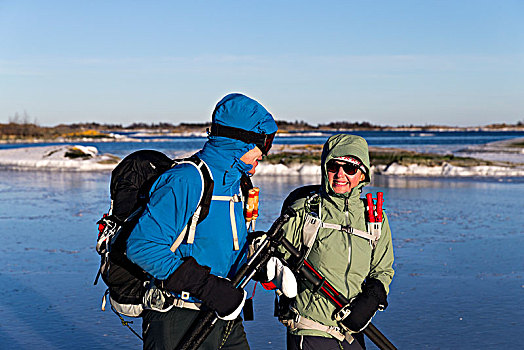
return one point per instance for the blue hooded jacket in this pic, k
(175, 195)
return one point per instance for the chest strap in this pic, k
(232, 200)
(190, 228)
(372, 237)
(312, 224)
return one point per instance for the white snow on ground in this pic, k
(54, 158)
(396, 169)
(294, 170)
(450, 170)
(88, 159)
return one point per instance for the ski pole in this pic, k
(307, 271)
(206, 320)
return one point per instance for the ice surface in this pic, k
(458, 263)
(501, 151)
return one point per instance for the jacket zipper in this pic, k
(346, 213)
(346, 210)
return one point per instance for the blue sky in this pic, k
(387, 62)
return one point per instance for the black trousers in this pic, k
(163, 330)
(307, 342)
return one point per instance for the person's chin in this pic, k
(341, 189)
(253, 170)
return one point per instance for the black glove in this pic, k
(216, 293)
(364, 306)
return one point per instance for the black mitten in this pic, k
(364, 306)
(216, 293)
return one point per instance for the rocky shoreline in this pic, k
(497, 159)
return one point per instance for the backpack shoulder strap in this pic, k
(204, 202)
(298, 193)
(208, 184)
(312, 222)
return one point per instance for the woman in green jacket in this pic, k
(357, 264)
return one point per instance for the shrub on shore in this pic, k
(310, 154)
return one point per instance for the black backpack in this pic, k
(131, 182)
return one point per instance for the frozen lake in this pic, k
(458, 248)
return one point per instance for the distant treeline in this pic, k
(23, 129)
(282, 125)
(29, 129)
(26, 130)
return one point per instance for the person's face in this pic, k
(252, 157)
(340, 181)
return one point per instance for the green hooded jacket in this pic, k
(345, 260)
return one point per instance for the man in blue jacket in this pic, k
(196, 271)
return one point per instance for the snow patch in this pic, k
(450, 170)
(87, 158)
(62, 157)
(283, 170)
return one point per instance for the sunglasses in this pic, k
(266, 145)
(262, 141)
(350, 169)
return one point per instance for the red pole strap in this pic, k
(331, 297)
(332, 292)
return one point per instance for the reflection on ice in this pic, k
(441, 182)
